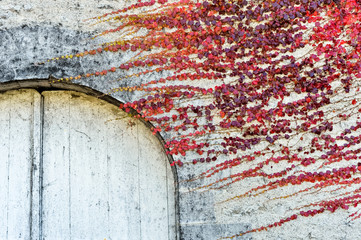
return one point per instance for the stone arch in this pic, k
(44, 87)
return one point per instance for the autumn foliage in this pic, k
(271, 85)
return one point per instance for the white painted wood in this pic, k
(56, 208)
(103, 177)
(88, 174)
(153, 187)
(36, 130)
(172, 217)
(122, 156)
(19, 123)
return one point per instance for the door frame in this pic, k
(52, 84)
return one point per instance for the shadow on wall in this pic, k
(22, 47)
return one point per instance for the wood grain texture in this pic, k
(105, 175)
(56, 207)
(19, 156)
(75, 167)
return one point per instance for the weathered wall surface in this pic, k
(31, 32)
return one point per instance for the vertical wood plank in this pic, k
(36, 131)
(18, 120)
(153, 187)
(100, 171)
(5, 101)
(172, 228)
(122, 145)
(107, 175)
(56, 223)
(89, 206)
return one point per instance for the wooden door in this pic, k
(101, 175)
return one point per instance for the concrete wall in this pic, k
(34, 31)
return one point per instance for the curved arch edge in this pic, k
(52, 84)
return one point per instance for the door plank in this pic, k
(101, 174)
(153, 187)
(19, 158)
(123, 165)
(56, 209)
(88, 170)
(172, 217)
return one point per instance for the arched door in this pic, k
(75, 167)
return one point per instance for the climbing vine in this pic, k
(261, 89)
